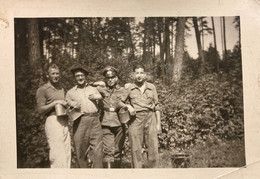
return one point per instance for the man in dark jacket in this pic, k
(113, 129)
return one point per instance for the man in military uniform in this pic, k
(113, 130)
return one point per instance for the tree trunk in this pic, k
(214, 33)
(144, 39)
(197, 32)
(81, 40)
(222, 43)
(224, 38)
(161, 44)
(21, 50)
(171, 38)
(132, 46)
(167, 48)
(33, 41)
(179, 49)
(202, 39)
(215, 43)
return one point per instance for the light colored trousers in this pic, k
(143, 130)
(58, 137)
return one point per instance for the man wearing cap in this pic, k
(87, 132)
(145, 125)
(113, 130)
(56, 127)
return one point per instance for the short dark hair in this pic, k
(52, 65)
(139, 65)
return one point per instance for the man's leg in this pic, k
(108, 145)
(119, 133)
(58, 137)
(81, 142)
(96, 144)
(135, 131)
(151, 140)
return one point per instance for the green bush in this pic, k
(193, 111)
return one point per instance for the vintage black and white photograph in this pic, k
(129, 92)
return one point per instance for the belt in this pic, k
(110, 109)
(91, 114)
(146, 111)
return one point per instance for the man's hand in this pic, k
(159, 128)
(131, 110)
(127, 85)
(62, 102)
(75, 104)
(99, 83)
(158, 121)
(94, 97)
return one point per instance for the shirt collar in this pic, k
(116, 87)
(49, 85)
(147, 86)
(76, 87)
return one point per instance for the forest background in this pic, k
(202, 98)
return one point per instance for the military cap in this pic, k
(78, 67)
(110, 71)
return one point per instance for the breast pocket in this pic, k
(149, 96)
(134, 96)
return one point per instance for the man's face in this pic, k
(111, 81)
(54, 75)
(140, 75)
(80, 78)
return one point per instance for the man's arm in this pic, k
(157, 110)
(71, 102)
(95, 96)
(42, 107)
(124, 98)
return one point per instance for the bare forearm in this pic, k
(46, 108)
(158, 119)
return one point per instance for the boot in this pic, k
(108, 164)
(117, 163)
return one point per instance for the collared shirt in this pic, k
(111, 99)
(81, 96)
(47, 93)
(148, 100)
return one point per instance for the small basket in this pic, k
(180, 160)
(124, 116)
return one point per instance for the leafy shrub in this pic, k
(194, 111)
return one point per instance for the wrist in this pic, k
(128, 106)
(54, 103)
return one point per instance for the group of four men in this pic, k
(98, 134)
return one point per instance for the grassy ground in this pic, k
(204, 155)
(211, 154)
(223, 154)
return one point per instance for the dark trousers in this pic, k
(88, 141)
(113, 142)
(142, 129)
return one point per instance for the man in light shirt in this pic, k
(145, 125)
(87, 132)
